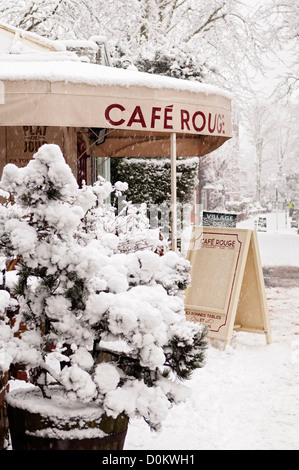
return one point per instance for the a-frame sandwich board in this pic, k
(227, 290)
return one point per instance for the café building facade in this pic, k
(69, 94)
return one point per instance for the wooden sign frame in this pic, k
(227, 289)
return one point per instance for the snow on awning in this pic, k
(75, 94)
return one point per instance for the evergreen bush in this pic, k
(86, 290)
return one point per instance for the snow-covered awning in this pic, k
(70, 93)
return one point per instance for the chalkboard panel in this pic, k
(227, 286)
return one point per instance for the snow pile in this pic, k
(84, 291)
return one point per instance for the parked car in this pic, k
(295, 219)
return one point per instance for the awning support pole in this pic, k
(173, 192)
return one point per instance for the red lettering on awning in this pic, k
(137, 117)
(107, 114)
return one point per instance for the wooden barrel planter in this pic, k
(3, 414)
(38, 423)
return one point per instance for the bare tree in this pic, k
(281, 19)
(217, 37)
(260, 126)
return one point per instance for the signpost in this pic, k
(227, 289)
(219, 219)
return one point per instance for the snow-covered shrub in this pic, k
(85, 290)
(149, 181)
(6, 334)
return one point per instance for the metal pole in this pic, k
(276, 206)
(173, 192)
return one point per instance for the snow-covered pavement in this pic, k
(246, 397)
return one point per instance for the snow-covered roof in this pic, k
(16, 41)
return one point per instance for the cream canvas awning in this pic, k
(75, 94)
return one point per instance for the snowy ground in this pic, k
(246, 397)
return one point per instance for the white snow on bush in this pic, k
(87, 278)
(106, 377)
